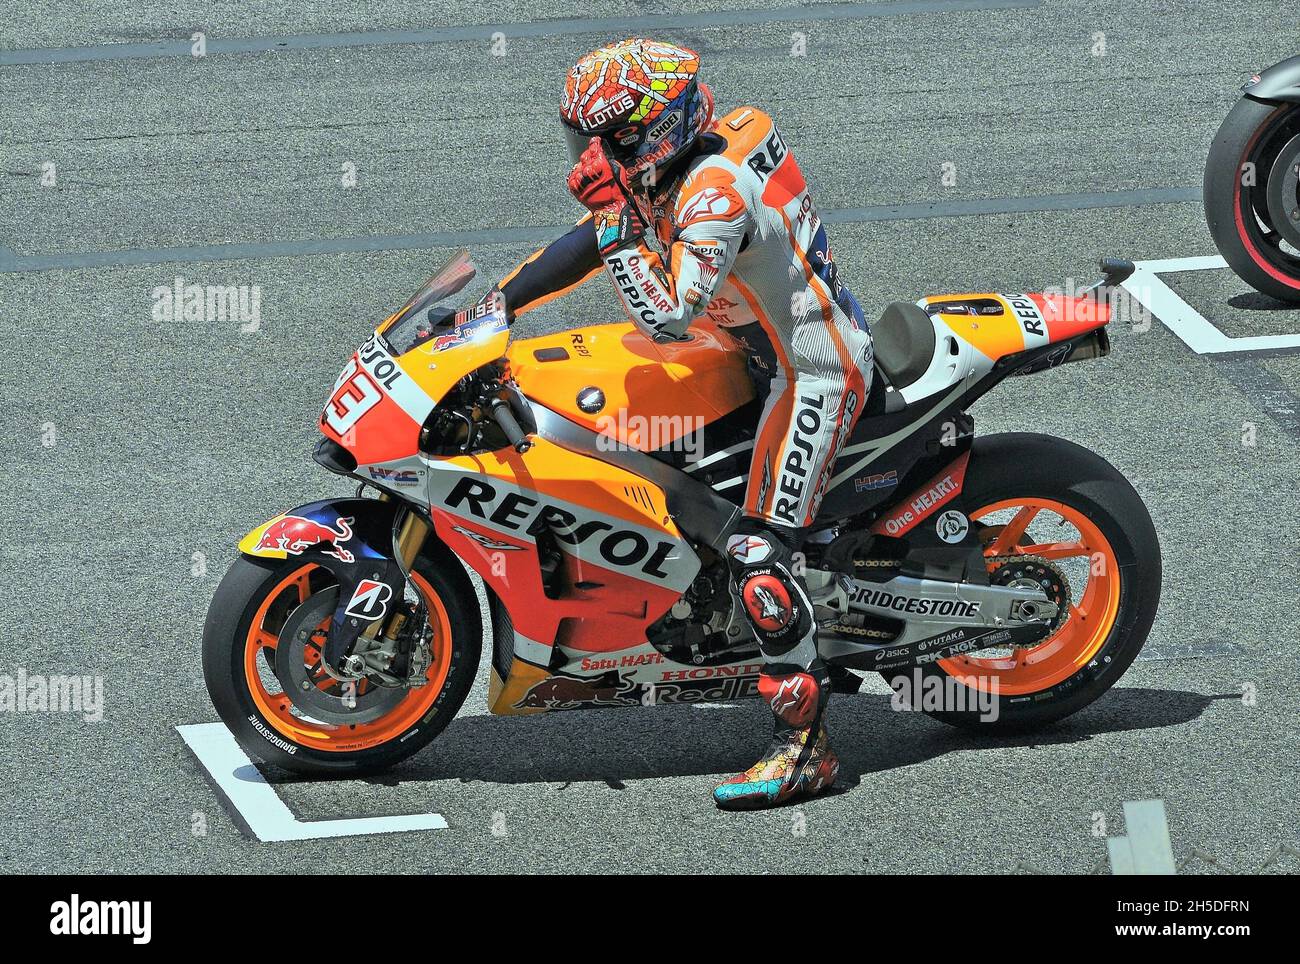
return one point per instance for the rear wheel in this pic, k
(1054, 514)
(266, 626)
(1252, 195)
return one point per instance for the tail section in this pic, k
(999, 325)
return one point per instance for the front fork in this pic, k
(372, 596)
(408, 540)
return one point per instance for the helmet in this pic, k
(642, 98)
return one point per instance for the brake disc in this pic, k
(340, 703)
(1283, 192)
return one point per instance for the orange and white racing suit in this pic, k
(738, 241)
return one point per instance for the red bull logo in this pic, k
(561, 692)
(446, 341)
(294, 534)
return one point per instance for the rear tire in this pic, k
(1014, 466)
(238, 599)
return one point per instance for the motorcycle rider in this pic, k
(700, 218)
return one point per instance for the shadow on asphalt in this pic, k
(1257, 301)
(615, 745)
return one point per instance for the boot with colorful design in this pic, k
(799, 764)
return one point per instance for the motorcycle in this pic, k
(1252, 183)
(590, 479)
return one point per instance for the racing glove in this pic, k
(600, 186)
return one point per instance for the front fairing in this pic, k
(392, 383)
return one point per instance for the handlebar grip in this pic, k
(505, 418)
(1117, 270)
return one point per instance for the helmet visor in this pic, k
(575, 142)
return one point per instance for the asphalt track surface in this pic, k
(172, 439)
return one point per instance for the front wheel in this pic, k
(1252, 195)
(1053, 514)
(314, 724)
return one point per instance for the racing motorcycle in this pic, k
(591, 478)
(1252, 183)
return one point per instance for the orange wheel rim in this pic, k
(1072, 646)
(276, 708)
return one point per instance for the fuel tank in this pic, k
(614, 380)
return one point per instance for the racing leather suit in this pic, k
(736, 240)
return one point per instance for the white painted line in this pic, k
(1146, 850)
(1196, 331)
(260, 807)
(1170, 265)
(1121, 857)
(1148, 835)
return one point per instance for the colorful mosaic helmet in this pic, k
(642, 99)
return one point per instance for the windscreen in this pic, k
(428, 314)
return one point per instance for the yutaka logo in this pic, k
(652, 433)
(938, 694)
(182, 301)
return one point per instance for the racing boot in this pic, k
(794, 681)
(799, 763)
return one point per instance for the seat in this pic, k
(904, 342)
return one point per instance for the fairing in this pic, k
(394, 380)
(975, 331)
(1281, 82)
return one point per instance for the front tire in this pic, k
(1255, 225)
(240, 639)
(1012, 480)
